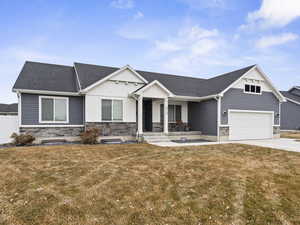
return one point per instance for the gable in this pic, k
(127, 76)
(155, 91)
(254, 77)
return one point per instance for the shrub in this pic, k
(90, 136)
(22, 139)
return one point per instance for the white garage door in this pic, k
(245, 125)
(8, 125)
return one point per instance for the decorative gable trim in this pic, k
(155, 82)
(280, 97)
(113, 74)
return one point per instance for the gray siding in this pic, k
(30, 110)
(237, 99)
(290, 116)
(202, 116)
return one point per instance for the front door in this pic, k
(147, 115)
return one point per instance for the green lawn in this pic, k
(144, 184)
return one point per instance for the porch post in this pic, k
(166, 119)
(140, 115)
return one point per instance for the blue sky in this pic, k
(201, 38)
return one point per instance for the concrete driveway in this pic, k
(282, 144)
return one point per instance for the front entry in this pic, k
(147, 115)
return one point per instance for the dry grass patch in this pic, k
(291, 135)
(145, 184)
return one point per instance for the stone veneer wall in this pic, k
(224, 131)
(50, 132)
(114, 129)
(159, 127)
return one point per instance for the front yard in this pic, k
(144, 184)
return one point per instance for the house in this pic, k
(9, 109)
(62, 101)
(290, 110)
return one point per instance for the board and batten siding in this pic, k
(111, 90)
(290, 116)
(236, 99)
(30, 110)
(202, 116)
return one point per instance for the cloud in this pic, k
(194, 39)
(188, 48)
(273, 40)
(138, 15)
(122, 4)
(273, 13)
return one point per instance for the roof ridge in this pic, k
(89, 64)
(174, 75)
(53, 64)
(224, 74)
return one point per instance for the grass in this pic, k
(292, 135)
(144, 184)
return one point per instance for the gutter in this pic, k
(46, 92)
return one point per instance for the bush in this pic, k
(22, 139)
(90, 136)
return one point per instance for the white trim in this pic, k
(113, 74)
(274, 125)
(219, 117)
(77, 78)
(53, 97)
(112, 112)
(19, 108)
(46, 92)
(51, 125)
(293, 101)
(151, 84)
(224, 125)
(278, 94)
(194, 98)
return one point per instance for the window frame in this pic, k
(53, 98)
(174, 112)
(112, 112)
(250, 92)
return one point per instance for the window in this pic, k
(112, 110)
(174, 113)
(53, 110)
(254, 89)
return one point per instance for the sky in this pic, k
(201, 38)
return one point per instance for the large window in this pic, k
(252, 89)
(174, 113)
(53, 109)
(112, 110)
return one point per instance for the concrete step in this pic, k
(161, 138)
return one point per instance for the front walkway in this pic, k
(282, 144)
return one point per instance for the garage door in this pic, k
(9, 125)
(246, 125)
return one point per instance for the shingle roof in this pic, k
(89, 74)
(9, 107)
(290, 96)
(47, 77)
(40, 76)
